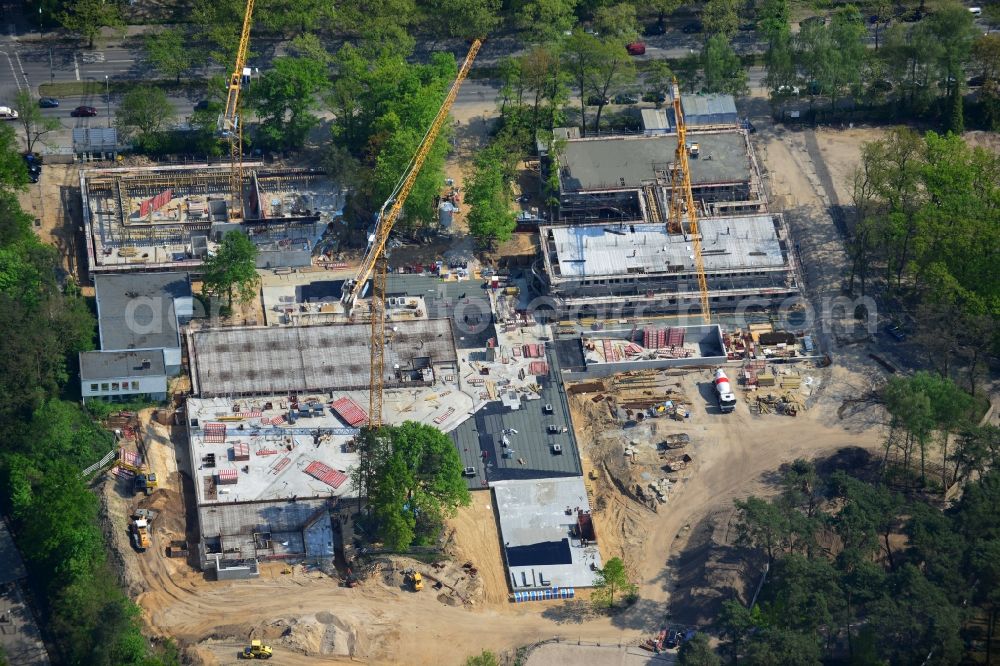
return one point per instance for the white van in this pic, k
(7, 113)
(976, 11)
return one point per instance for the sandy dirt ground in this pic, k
(54, 202)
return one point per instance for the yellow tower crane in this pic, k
(682, 200)
(374, 264)
(229, 122)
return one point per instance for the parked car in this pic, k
(597, 100)
(48, 102)
(636, 48)
(977, 81)
(896, 332)
(813, 20)
(7, 113)
(653, 96)
(83, 112)
(202, 105)
(692, 28)
(33, 160)
(626, 98)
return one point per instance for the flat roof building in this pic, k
(624, 267)
(519, 438)
(548, 537)
(276, 360)
(144, 311)
(630, 177)
(123, 376)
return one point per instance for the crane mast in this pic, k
(229, 122)
(375, 264)
(682, 198)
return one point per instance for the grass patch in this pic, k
(117, 87)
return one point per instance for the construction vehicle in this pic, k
(229, 125)
(145, 482)
(139, 527)
(724, 392)
(414, 580)
(256, 650)
(682, 199)
(375, 263)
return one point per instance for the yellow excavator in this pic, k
(256, 650)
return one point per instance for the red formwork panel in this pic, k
(349, 411)
(326, 474)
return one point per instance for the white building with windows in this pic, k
(123, 376)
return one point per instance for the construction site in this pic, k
(598, 435)
(172, 218)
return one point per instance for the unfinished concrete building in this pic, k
(640, 267)
(169, 217)
(272, 425)
(629, 178)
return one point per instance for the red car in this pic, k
(636, 48)
(83, 112)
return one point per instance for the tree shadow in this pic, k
(573, 611)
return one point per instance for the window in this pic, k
(104, 386)
(114, 386)
(93, 387)
(135, 385)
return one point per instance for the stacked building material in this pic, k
(241, 451)
(540, 368)
(675, 337)
(349, 411)
(226, 476)
(326, 474)
(215, 433)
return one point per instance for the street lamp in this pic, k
(107, 97)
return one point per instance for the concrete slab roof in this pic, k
(626, 162)
(537, 520)
(530, 454)
(731, 243)
(138, 311)
(276, 360)
(277, 455)
(116, 364)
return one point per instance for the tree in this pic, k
(986, 60)
(723, 71)
(662, 8)
(87, 17)
(142, 112)
(465, 18)
(610, 581)
(284, 99)
(412, 481)
(32, 121)
(547, 20)
(617, 22)
(659, 78)
(488, 192)
(485, 658)
(232, 270)
(696, 651)
(580, 56)
(721, 18)
(612, 68)
(168, 52)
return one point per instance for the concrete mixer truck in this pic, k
(724, 392)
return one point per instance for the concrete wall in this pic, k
(709, 339)
(280, 516)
